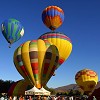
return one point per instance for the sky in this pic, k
(81, 25)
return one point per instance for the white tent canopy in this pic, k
(45, 92)
(33, 91)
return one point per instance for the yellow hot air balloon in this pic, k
(61, 41)
(36, 61)
(87, 80)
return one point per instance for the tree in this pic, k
(71, 92)
(5, 85)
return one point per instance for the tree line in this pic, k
(5, 85)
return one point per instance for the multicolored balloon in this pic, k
(87, 80)
(36, 61)
(12, 30)
(53, 17)
(61, 41)
(18, 88)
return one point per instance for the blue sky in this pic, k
(81, 25)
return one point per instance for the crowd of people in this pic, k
(46, 98)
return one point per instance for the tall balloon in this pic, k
(12, 30)
(53, 17)
(87, 80)
(61, 41)
(36, 61)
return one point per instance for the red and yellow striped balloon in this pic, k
(36, 61)
(86, 79)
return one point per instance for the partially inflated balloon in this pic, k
(61, 41)
(12, 30)
(36, 61)
(18, 88)
(53, 17)
(86, 79)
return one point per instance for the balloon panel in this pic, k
(11, 88)
(87, 85)
(50, 64)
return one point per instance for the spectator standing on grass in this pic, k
(10, 98)
(94, 98)
(2, 98)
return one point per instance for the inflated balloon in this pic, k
(61, 41)
(36, 61)
(12, 30)
(18, 88)
(53, 17)
(87, 80)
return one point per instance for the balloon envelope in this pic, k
(12, 30)
(61, 41)
(53, 17)
(36, 61)
(18, 88)
(86, 79)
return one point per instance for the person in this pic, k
(10, 98)
(15, 98)
(94, 98)
(44, 98)
(62, 98)
(2, 98)
(30, 97)
(70, 98)
(21, 98)
(38, 97)
(54, 98)
(49, 98)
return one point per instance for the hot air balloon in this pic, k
(53, 17)
(87, 80)
(18, 88)
(12, 30)
(36, 61)
(61, 41)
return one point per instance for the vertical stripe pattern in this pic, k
(36, 60)
(53, 17)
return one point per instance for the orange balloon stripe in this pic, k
(50, 19)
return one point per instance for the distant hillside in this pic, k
(71, 86)
(67, 87)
